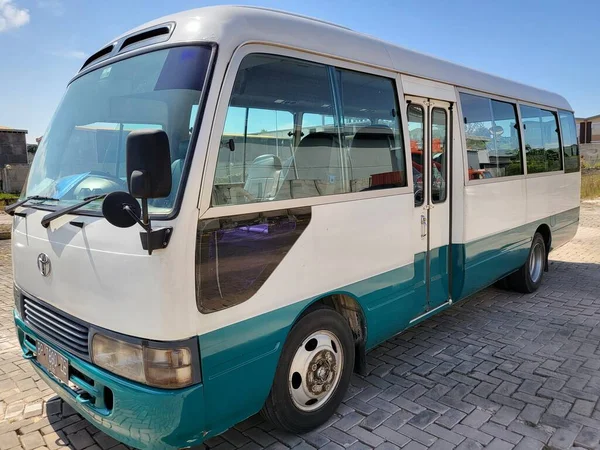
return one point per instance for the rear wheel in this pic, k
(529, 277)
(313, 373)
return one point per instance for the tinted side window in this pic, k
(296, 129)
(542, 144)
(372, 131)
(569, 140)
(492, 137)
(263, 157)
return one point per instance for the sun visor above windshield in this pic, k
(184, 68)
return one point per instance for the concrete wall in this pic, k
(13, 148)
(13, 176)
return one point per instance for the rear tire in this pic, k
(529, 277)
(313, 373)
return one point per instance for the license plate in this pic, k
(53, 361)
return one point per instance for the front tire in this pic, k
(313, 373)
(529, 277)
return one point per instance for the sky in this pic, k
(551, 44)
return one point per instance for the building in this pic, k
(13, 159)
(588, 130)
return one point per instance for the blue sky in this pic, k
(44, 42)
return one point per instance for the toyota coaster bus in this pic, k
(232, 205)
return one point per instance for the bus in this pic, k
(227, 212)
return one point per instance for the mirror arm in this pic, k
(151, 239)
(145, 217)
(136, 218)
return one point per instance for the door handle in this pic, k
(423, 226)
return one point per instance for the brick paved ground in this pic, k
(500, 370)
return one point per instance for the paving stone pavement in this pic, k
(500, 370)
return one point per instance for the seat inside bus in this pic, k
(372, 157)
(315, 168)
(262, 182)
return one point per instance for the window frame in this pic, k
(463, 137)
(563, 144)
(207, 210)
(447, 160)
(518, 104)
(560, 143)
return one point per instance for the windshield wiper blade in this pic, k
(11, 209)
(61, 212)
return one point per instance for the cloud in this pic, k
(56, 7)
(69, 54)
(11, 16)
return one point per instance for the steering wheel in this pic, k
(97, 183)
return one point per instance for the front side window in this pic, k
(297, 129)
(492, 137)
(83, 151)
(542, 143)
(569, 139)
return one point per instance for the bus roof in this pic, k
(232, 26)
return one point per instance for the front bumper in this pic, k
(137, 415)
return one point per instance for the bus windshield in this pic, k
(83, 151)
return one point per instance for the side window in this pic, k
(285, 137)
(416, 128)
(542, 143)
(261, 158)
(372, 131)
(569, 140)
(439, 152)
(492, 137)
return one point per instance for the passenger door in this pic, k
(429, 131)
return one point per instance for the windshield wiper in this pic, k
(61, 212)
(11, 209)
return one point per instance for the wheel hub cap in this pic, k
(315, 370)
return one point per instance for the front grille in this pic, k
(57, 327)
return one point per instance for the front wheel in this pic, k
(529, 277)
(313, 373)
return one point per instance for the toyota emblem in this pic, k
(44, 265)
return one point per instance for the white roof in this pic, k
(232, 26)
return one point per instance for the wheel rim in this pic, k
(316, 370)
(536, 262)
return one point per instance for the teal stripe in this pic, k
(480, 263)
(239, 361)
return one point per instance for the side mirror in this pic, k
(121, 209)
(148, 164)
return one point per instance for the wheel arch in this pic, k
(350, 309)
(546, 233)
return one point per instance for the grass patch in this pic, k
(590, 184)
(7, 199)
(590, 165)
(7, 196)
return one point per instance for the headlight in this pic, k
(161, 367)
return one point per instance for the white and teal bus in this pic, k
(232, 206)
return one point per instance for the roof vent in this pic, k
(158, 34)
(98, 55)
